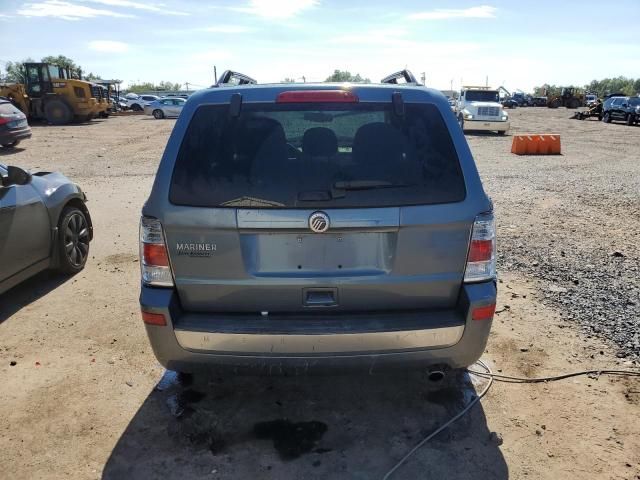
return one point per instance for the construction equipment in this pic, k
(595, 111)
(51, 94)
(569, 97)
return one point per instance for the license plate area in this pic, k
(17, 123)
(336, 254)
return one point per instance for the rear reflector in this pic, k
(317, 96)
(483, 313)
(153, 318)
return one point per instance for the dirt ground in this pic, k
(81, 400)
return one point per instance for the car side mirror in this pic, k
(17, 176)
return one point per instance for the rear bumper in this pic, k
(485, 125)
(267, 345)
(9, 136)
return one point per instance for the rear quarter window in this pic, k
(316, 156)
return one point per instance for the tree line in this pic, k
(606, 86)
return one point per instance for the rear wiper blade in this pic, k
(367, 185)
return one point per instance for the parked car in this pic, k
(44, 223)
(165, 107)
(621, 109)
(138, 104)
(509, 103)
(13, 124)
(539, 102)
(312, 226)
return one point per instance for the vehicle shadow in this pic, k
(320, 427)
(94, 121)
(10, 151)
(27, 292)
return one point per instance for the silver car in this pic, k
(165, 107)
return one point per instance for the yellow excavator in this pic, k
(569, 97)
(51, 94)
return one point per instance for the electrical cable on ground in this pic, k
(488, 374)
(444, 426)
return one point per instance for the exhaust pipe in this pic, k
(435, 376)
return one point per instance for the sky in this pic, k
(513, 43)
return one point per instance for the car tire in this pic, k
(158, 114)
(57, 112)
(13, 144)
(502, 132)
(136, 108)
(630, 120)
(461, 122)
(606, 118)
(73, 241)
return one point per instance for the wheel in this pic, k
(57, 112)
(158, 114)
(606, 118)
(502, 132)
(461, 121)
(136, 108)
(630, 119)
(13, 144)
(73, 240)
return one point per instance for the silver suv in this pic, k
(310, 226)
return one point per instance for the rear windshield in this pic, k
(316, 156)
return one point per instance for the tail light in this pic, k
(481, 261)
(154, 259)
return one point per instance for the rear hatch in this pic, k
(309, 205)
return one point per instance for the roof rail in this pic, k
(405, 74)
(230, 77)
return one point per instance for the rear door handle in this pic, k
(320, 297)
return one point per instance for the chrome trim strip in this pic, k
(324, 343)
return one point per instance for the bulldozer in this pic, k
(569, 97)
(51, 94)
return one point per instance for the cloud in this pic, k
(149, 7)
(277, 9)
(483, 11)
(65, 10)
(227, 29)
(108, 46)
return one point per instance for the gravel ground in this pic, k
(82, 395)
(572, 222)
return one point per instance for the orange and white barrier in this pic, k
(546, 144)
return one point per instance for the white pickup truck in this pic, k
(479, 108)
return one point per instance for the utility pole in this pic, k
(486, 82)
(187, 84)
(424, 78)
(215, 75)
